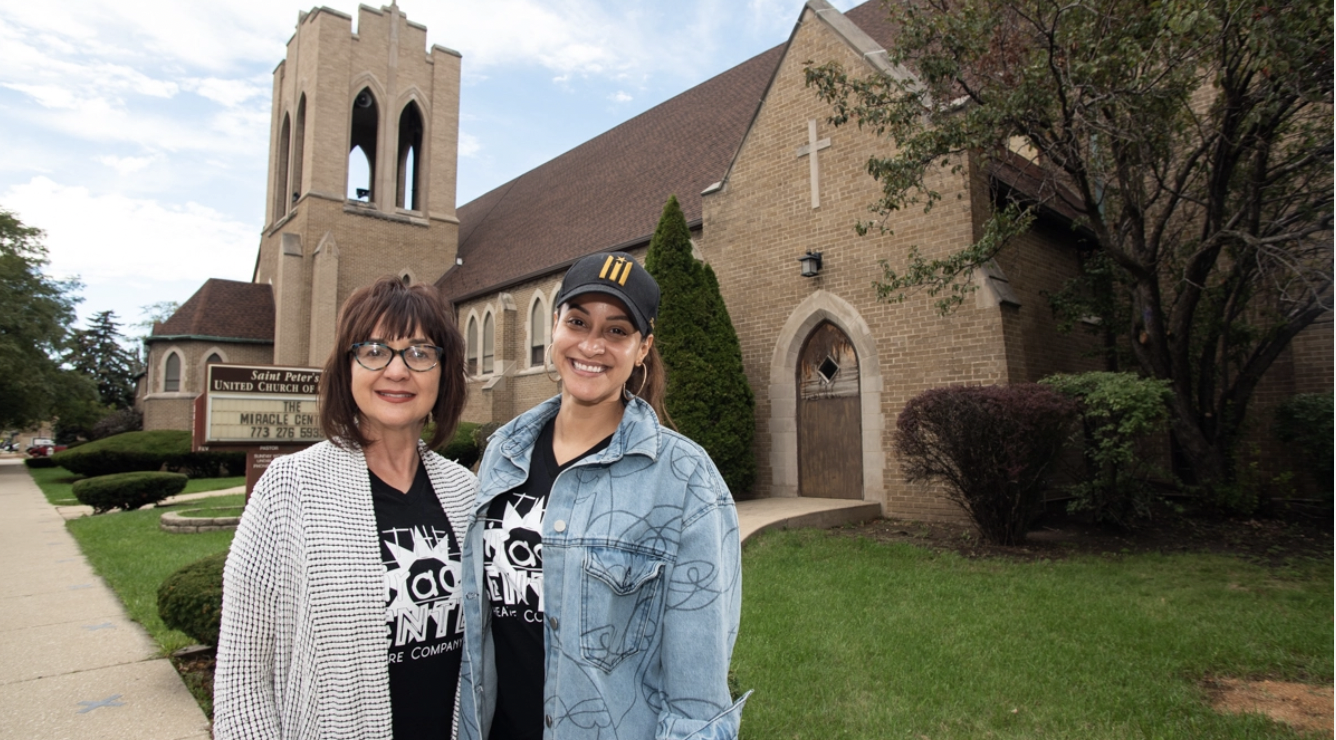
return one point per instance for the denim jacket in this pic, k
(641, 587)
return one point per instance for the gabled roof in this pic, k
(609, 192)
(225, 310)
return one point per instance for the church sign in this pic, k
(264, 410)
(262, 405)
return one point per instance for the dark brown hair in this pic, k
(399, 311)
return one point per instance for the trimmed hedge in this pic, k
(39, 462)
(191, 599)
(127, 491)
(993, 446)
(145, 451)
(463, 448)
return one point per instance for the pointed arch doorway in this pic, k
(830, 436)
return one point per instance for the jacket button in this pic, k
(547, 720)
(559, 526)
(555, 624)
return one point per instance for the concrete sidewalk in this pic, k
(72, 665)
(759, 515)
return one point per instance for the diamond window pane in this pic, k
(828, 370)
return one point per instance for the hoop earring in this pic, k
(644, 378)
(547, 361)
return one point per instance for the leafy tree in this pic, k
(1190, 138)
(35, 311)
(99, 354)
(708, 396)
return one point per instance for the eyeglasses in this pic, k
(378, 355)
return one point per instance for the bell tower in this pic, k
(362, 161)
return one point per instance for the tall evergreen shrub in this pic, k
(708, 397)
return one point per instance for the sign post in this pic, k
(266, 410)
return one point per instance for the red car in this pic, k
(43, 448)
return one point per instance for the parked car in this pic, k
(43, 447)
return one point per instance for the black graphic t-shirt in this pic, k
(422, 614)
(513, 570)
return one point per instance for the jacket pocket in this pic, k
(619, 604)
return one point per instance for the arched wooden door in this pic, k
(830, 420)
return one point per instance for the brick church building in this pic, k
(763, 179)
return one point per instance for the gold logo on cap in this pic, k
(621, 269)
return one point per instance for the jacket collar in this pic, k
(637, 434)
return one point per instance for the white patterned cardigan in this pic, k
(303, 648)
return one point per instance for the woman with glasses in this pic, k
(602, 569)
(341, 609)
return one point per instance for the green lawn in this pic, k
(57, 484)
(134, 556)
(845, 638)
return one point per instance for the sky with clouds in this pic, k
(136, 133)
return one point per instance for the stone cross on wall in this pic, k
(812, 147)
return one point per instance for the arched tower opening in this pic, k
(362, 147)
(410, 158)
(281, 168)
(298, 153)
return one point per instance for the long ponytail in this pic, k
(650, 381)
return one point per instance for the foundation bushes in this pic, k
(463, 448)
(1305, 422)
(1118, 413)
(994, 447)
(162, 449)
(127, 491)
(191, 599)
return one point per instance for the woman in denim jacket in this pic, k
(602, 576)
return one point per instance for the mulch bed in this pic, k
(1059, 535)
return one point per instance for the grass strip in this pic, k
(852, 638)
(134, 557)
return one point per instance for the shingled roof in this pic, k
(222, 309)
(608, 192)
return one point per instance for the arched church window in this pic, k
(410, 157)
(213, 358)
(471, 345)
(488, 344)
(538, 323)
(281, 168)
(171, 373)
(294, 190)
(362, 147)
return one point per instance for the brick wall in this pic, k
(174, 410)
(758, 225)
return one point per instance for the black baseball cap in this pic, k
(616, 274)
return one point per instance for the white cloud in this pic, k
(229, 93)
(468, 144)
(105, 238)
(127, 165)
(47, 96)
(620, 97)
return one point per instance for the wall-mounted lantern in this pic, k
(811, 263)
